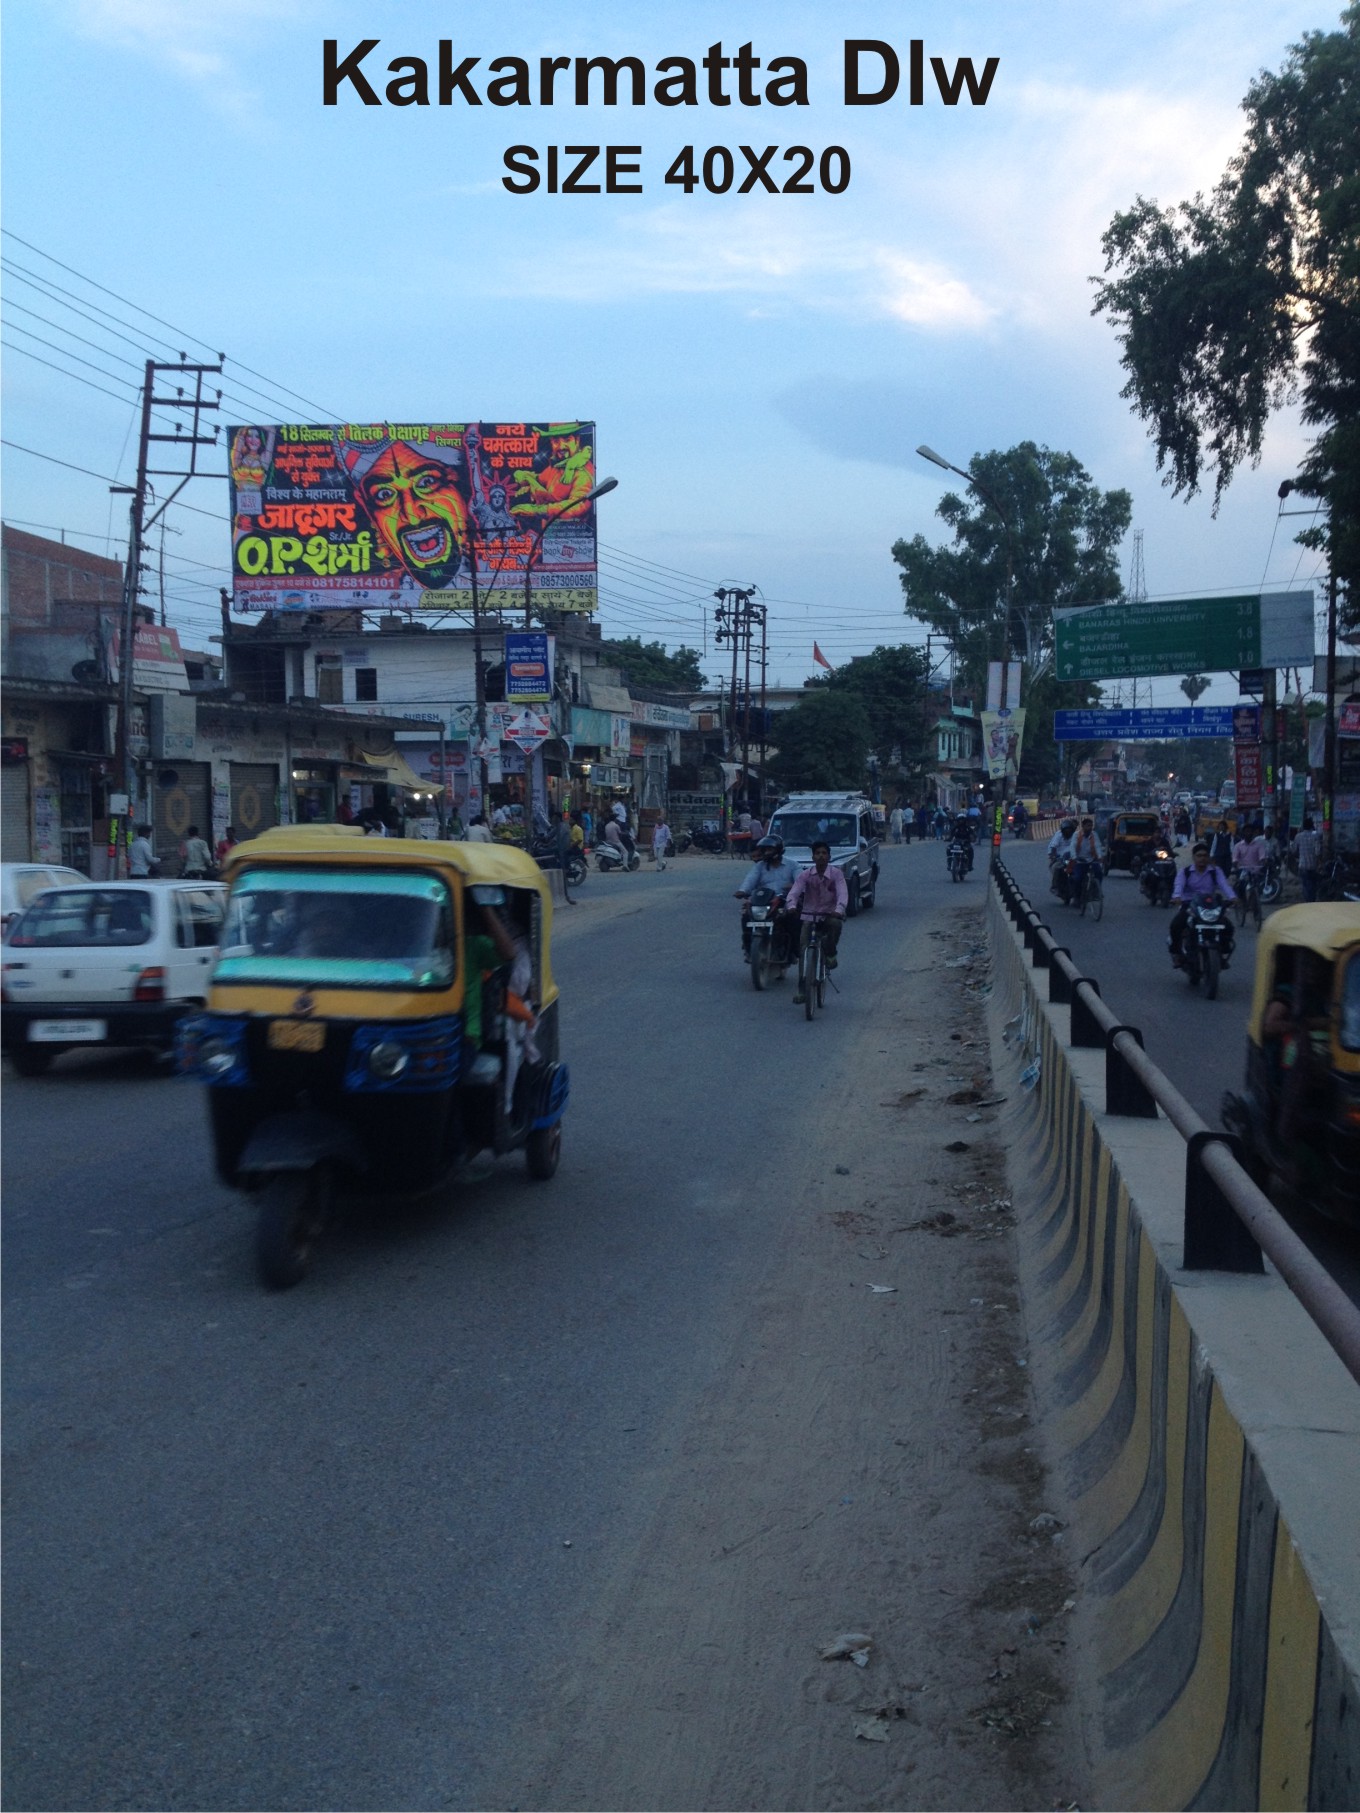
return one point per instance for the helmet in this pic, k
(771, 842)
(1068, 826)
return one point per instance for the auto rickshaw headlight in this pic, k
(216, 1057)
(387, 1059)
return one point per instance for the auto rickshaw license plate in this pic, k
(297, 1035)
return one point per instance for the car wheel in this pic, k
(32, 1060)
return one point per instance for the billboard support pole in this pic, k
(1270, 751)
(479, 677)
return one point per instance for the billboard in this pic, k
(389, 516)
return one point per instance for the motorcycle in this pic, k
(609, 857)
(770, 955)
(1271, 884)
(1207, 944)
(1157, 877)
(959, 857)
(547, 851)
(707, 836)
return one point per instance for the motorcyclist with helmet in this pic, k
(775, 874)
(962, 832)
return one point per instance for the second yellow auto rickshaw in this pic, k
(1298, 1115)
(381, 1010)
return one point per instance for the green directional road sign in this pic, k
(1183, 636)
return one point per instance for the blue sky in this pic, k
(761, 367)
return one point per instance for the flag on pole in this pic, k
(818, 656)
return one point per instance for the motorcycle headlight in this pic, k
(388, 1059)
(1211, 914)
(216, 1057)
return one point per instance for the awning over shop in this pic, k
(399, 772)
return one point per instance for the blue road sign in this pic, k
(1143, 724)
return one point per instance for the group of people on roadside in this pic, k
(925, 821)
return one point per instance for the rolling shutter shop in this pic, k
(254, 798)
(182, 797)
(14, 819)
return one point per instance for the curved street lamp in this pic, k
(536, 546)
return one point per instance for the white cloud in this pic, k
(195, 40)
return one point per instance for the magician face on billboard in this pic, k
(414, 499)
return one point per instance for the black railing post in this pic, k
(1125, 1091)
(1086, 1028)
(1216, 1240)
(1059, 982)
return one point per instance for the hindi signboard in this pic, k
(392, 516)
(1248, 771)
(528, 667)
(1143, 724)
(1184, 636)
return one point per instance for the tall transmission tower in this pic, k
(1140, 691)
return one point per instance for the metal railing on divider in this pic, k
(1229, 1220)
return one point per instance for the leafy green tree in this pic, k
(824, 741)
(1061, 533)
(891, 685)
(1193, 685)
(1229, 307)
(649, 664)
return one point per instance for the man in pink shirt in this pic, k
(820, 893)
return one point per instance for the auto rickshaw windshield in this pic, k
(361, 929)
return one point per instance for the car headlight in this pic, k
(388, 1059)
(216, 1057)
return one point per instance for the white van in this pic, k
(846, 822)
(107, 963)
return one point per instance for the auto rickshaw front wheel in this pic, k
(293, 1210)
(542, 1151)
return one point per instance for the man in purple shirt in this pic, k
(1201, 881)
(820, 893)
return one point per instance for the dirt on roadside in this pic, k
(853, 1588)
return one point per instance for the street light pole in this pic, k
(536, 544)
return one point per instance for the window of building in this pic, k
(365, 682)
(330, 685)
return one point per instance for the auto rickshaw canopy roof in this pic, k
(1327, 928)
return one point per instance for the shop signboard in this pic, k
(394, 516)
(528, 667)
(1184, 635)
(527, 729)
(1248, 771)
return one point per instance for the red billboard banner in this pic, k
(392, 516)
(1247, 768)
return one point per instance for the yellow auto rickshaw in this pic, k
(381, 1010)
(1298, 1115)
(1133, 839)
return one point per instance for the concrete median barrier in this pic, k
(1209, 1441)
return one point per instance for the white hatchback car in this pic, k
(22, 882)
(108, 963)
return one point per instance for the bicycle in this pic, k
(1248, 900)
(812, 971)
(1092, 900)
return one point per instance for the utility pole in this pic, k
(734, 617)
(139, 523)
(1329, 722)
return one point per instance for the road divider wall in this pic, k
(1208, 1439)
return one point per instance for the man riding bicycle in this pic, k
(774, 872)
(820, 893)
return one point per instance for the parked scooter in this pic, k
(1157, 877)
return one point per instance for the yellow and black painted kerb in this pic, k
(1220, 1684)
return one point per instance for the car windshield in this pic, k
(1140, 827)
(805, 828)
(86, 917)
(315, 927)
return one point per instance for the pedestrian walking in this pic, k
(197, 856)
(661, 842)
(141, 858)
(895, 824)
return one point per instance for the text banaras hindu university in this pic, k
(873, 74)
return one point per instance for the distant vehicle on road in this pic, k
(846, 822)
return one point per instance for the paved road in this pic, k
(548, 1498)
(1199, 1044)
